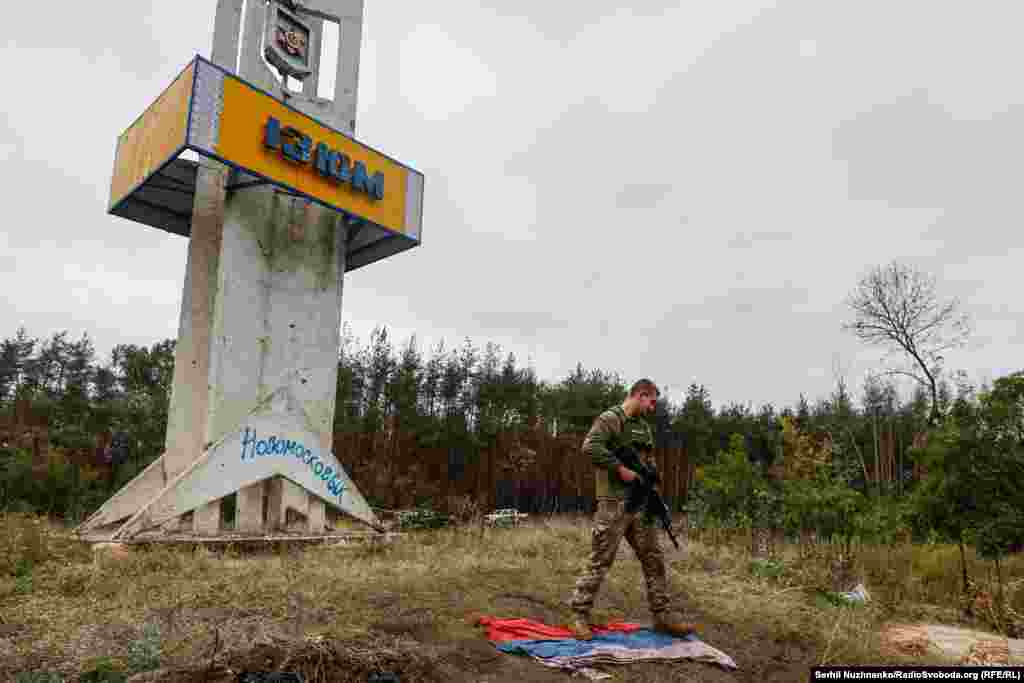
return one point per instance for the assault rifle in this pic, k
(642, 492)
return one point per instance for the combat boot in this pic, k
(673, 624)
(580, 628)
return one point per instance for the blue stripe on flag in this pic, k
(642, 639)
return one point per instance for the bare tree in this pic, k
(898, 307)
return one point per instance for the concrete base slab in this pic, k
(241, 541)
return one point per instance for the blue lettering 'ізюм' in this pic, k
(329, 163)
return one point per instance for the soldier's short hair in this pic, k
(644, 386)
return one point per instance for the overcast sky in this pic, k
(680, 190)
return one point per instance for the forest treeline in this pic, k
(810, 464)
(461, 400)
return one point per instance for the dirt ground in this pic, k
(478, 661)
(405, 642)
(410, 608)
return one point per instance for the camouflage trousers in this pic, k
(611, 524)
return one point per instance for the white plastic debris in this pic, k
(858, 594)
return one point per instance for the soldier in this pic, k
(612, 428)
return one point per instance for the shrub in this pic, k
(38, 677)
(60, 487)
(103, 670)
(144, 653)
(769, 569)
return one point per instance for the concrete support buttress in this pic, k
(186, 433)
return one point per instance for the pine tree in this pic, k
(22, 361)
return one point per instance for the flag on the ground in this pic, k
(613, 643)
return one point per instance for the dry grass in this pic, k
(906, 577)
(336, 613)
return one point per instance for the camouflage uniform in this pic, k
(611, 522)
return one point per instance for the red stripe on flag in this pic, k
(499, 630)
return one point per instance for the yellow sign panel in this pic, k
(244, 122)
(218, 115)
(155, 137)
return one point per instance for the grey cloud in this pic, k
(520, 322)
(741, 309)
(757, 150)
(641, 195)
(576, 136)
(913, 153)
(752, 239)
(785, 293)
(532, 191)
(564, 25)
(980, 232)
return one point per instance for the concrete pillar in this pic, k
(276, 508)
(317, 518)
(274, 287)
(282, 496)
(249, 510)
(186, 424)
(206, 520)
(277, 312)
(187, 413)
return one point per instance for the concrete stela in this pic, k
(272, 231)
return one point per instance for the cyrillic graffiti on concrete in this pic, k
(279, 446)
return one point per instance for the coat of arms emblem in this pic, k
(291, 41)
(287, 44)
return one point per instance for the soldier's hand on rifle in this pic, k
(652, 472)
(627, 475)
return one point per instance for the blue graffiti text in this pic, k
(278, 446)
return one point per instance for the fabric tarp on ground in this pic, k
(613, 643)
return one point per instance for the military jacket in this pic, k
(611, 429)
